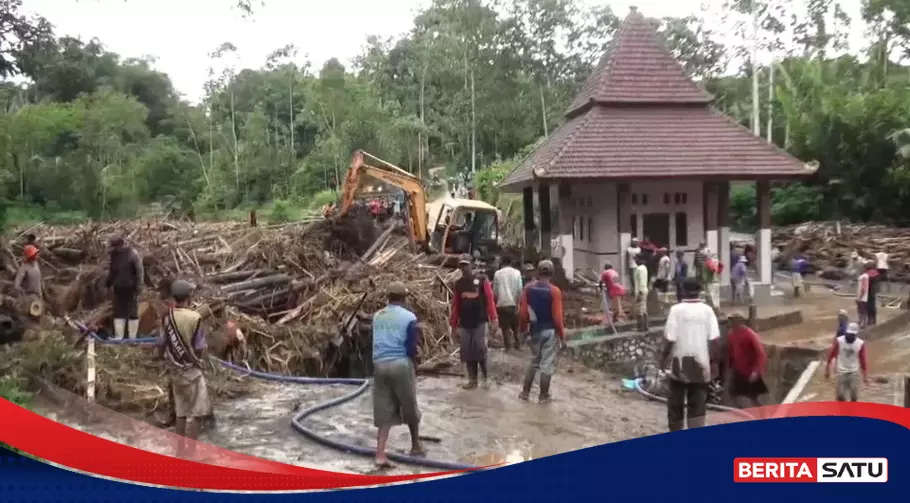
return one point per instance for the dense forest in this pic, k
(472, 86)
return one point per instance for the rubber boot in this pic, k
(119, 328)
(132, 328)
(544, 388)
(472, 376)
(644, 323)
(526, 385)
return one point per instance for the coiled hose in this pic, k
(711, 406)
(297, 422)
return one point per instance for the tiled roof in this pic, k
(638, 68)
(640, 116)
(651, 142)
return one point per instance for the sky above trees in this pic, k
(181, 34)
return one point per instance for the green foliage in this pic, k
(281, 212)
(472, 86)
(11, 388)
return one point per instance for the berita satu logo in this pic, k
(863, 470)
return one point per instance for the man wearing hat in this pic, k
(541, 315)
(125, 279)
(182, 345)
(850, 353)
(473, 310)
(396, 336)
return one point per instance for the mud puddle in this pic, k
(482, 426)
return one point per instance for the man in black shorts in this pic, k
(746, 361)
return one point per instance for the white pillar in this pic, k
(764, 256)
(568, 257)
(711, 241)
(625, 240)
(724, 254)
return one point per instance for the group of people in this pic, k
(667, 274)
(534, 310)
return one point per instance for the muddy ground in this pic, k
(477, 427)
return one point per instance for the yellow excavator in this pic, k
(448, 225)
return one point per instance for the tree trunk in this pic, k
(756, 119)
(543, 112)
(770, 125)
(236, 151)
(473, 128)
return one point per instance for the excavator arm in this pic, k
(393, 175)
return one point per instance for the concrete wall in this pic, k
(592, 207)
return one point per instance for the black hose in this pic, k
(298, 419)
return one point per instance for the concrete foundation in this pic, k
(600, 349)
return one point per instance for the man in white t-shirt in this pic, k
(881, 263)
(507, 292)
(849, 351)
(691, 336)
(633, 251)
(862, 295)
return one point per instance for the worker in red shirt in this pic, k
(746, 359)
(612, 291)
(473, 312)
(540, 314)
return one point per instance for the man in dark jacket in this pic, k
(473, 311)
(125, 280)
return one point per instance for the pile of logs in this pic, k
(294, 290)
(827, 249)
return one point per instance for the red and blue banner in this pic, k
(864, 448)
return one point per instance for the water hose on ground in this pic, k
(298, 420)
(711, 406)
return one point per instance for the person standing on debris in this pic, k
(875, 284)
(691, 336)
(746, 360)
(125, 279)
(881, 264)
(739, 279)
(798, 268)
(28, 276)
(473, 310)
(541, 315)
(850, 352)
(396, 337)
(507, 291)
(640, 280)
(183, 345)
(611, 291)
(680, 274)
(662, 280)
(632, 253)
(862, 294)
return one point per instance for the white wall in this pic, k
(597, 202)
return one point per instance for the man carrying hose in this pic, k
(125, 280)
(473, 310)
(541, 314)
(691, 335)
(182, 345)
(396, 336)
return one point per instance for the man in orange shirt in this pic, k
(540, 313)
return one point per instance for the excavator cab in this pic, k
(465, 226)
